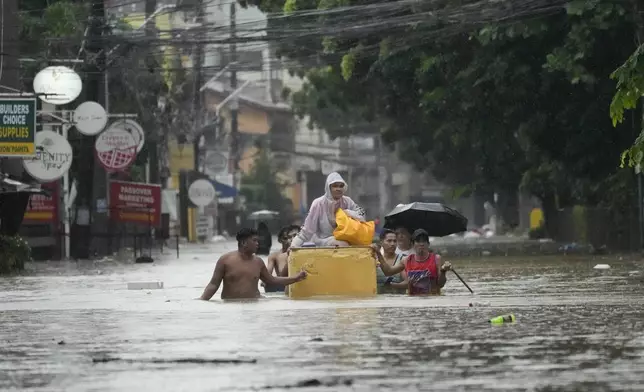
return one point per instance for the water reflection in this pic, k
(75, 327)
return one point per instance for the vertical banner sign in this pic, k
(135, 202)
(44, 209)
(17, 127)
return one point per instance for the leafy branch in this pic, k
(630, 88)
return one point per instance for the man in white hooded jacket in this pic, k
(320, 221)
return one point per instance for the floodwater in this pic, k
(76, 327)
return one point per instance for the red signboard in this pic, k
(135, 202)
(41, 208)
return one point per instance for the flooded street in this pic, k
(76, 327)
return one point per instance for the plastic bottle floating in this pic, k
(601, 267)
(507, 318)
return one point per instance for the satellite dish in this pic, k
(58, 85)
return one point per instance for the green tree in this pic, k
(50, 30)
(490, 108)
(262, 188)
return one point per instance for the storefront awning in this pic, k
(223, 190)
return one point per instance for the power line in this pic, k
(352, 22)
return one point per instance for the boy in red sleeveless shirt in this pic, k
(424, 269)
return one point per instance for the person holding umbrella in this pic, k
(426, 274)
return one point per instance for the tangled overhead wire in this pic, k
(408, 23)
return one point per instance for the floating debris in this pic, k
(144, 285)
(317, 340)
(314, 382)
(176, 360)
(144, 259)
(601, 267)
(507, 318)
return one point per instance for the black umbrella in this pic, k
(435, 218)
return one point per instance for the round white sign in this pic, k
(90, 118)
(133, 128)
(216, 161)
(53, 157)
(201, 193)
(115, 149)
(58, 85)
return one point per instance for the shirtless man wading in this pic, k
(241, 270)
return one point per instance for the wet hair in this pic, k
(420, 235)
(404, 228)
(287, 229)
(244, 234)
(384, 233)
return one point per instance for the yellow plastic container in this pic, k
(348, 272)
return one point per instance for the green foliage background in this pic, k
(522, 103)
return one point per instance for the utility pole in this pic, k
(234, 107)
(92, 179)
(10, 51)
(197, 65)
(10, 69)
(153, 148)
(12, 206)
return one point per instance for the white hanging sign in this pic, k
(57, 85)
(53, 157)
(201, 193)
(216, 162)
(90, 118)
(133, 128)
(115, 149)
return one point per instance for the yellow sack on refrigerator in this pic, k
(352, 230)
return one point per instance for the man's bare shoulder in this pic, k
(274, 255)
(227, 257)
(259, 260)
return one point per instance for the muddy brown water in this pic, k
(76, 327)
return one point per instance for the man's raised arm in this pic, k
(384, 266)
(269, 279)
(215, 281)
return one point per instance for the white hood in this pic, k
(331, 179)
